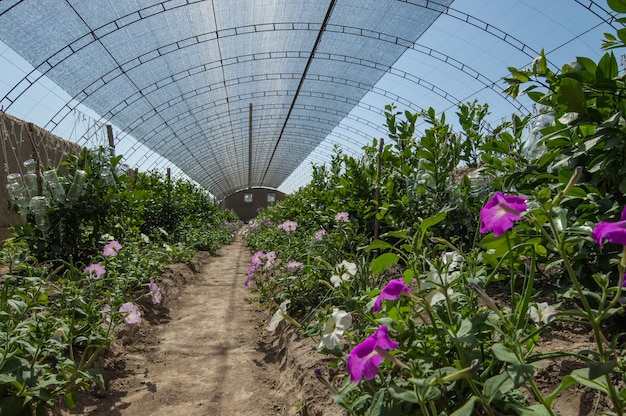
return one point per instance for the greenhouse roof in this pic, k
(248, 93)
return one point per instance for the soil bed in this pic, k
(205, 351)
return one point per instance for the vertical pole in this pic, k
(250, 146)
(31, 133)
(111, 140)
(377, 191)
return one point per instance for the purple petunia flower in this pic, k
(613, 232)
(342, 216)
(111, 249)
(391, 291)
(257, 258)
(251, 270)
(131, 313)
(364, 360)
(95, 271)
(155, 292)
(499, 213)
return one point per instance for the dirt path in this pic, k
(205, 352)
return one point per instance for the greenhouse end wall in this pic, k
(21, 141)
(247, 203)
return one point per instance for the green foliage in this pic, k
(55, 316)
(110, 202)
(414, 200)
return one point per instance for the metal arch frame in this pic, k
(446, 11)
(90, 89)
(306, 127)
(180, 44)
(415, 80)
(174, 149)
(334, 79)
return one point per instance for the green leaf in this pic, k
(466, 327)
(597, 369)
(519, 75)
(617, 5)
(467, 409)
(430, 221)
(519, 373)
(582, 376)
(396, 234)
(377, 404)
(572, 96)
(13, 406)
(403, 394)
(378, 244)
(607, 68)
(504, 354)
(498, 385)
(70, 400)
(380, 263)
(497, 244)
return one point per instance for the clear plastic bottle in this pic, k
(39, 207)
(17, 193)
(30, 177)
(78, 186)
(107, 176)
(56, 189)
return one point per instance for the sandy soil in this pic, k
(205, 352)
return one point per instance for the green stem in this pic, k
(595, 325)
(539, 396)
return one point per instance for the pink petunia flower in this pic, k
(105, 312)
(364, 359)
(270, 258)
(111, 249)
(131, 313)
(292, 266)
(392, 291)
(342, 216)
(155, 292)
(613, 232)
(289, 226)
(94, 271)
(499, 213)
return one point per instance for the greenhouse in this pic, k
(373, 207)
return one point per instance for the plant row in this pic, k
(435, 267)
(85, 262)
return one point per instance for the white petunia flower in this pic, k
(542, 312)
(279, 315)
(333, 329)
(344, 271)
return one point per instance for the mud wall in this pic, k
(20, 141)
